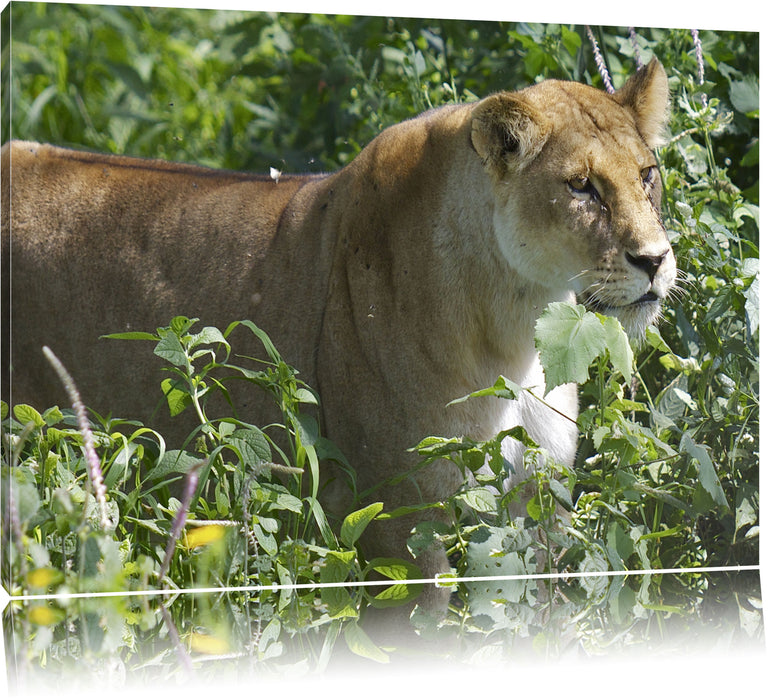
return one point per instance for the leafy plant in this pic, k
(238, 523)
(667, 470)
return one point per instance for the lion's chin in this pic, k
(635, 317)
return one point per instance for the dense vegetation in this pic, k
(667, 472)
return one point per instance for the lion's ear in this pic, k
(646, 95)
(506, 127)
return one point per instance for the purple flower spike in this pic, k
(92, 460)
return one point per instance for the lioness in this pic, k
(411, 277)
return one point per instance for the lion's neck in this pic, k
(491, 309)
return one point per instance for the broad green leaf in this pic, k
(620, 351)
(707, 474)
(174, 462)
(745, 94)
(426, 534)
(655, 340)
(520, 434)
(27, 414)
(52, 416)
(178, 398)
(169, 348)
(286, 594)
(663, 495)
(540, 508)
(480, 499)
(181, 325)
(394, 569)
(561, 494)
(305, 396)
(26, 496)
(359, 643)
(338, 568)
(396, 595)
(251, 444)
(355, 523)
(283, 500)
(209, 336)
(619, 541)
(746, 510)
(265, 539)
(568, 338)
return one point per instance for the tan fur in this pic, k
(411, 277)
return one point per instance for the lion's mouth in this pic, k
(645, 299)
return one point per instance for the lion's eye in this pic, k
(648, 175)
(582, 187)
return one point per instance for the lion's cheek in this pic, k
(544, 249)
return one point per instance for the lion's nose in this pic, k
(648, 263)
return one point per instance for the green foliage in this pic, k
(667, 470)
(254, 518)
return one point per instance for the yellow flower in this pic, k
(45, 616)
(206, 534)
(44, 577)
(207, 644)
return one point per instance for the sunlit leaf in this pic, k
(355, 523)
(569, 338)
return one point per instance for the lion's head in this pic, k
(577, 190)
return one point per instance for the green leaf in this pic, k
(209, 336)
(540, 508)
(251, 445)
(394, 569)
(25, 496)
(503, 388)
(663, 495)
(131, 335)
(569, 338)
(338, 568)
(180, 325)
(270, 348)
(52, 416)
(355, 523)
(752, 305)
(303, 395)
(359, 643)
(707, 474)
(561, 494)
(655, 340)
(322, 522)
(265, 539)
(745, 94)
(178, 399)
(427, 534)
(174, 462)
(169, 348)
(479, 499)
(620, 351)
(520, 434)
(396, 595)
(27, 414)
